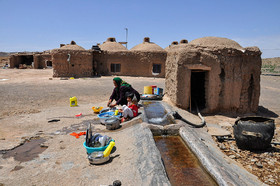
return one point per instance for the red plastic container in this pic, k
(153, 86)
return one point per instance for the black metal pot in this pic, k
(253, 133)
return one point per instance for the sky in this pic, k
(38, 25)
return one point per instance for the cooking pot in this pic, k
(112, 123)
(253, 133)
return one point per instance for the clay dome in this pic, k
(216, 41)
(71, 46)
(147, 46)
(112, 45)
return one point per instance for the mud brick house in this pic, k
(146, 59)
(215, 73)
(110, 58)
(72, 60)
(37, 60)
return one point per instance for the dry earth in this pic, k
(31, 97)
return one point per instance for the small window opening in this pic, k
(49, 63)
(115, 67)
(157, 68)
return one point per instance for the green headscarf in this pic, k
(120, 82)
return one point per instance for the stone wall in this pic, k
(232, 77)
(72, 63)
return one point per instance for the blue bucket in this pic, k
(93, 149)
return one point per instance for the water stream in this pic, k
(156, 114)
(181, 165)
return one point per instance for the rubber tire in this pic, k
(256, 125)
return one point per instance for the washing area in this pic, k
(189, 154)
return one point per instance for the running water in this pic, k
(159, 120)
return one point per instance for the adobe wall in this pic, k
(14, 61)
(40, 60)
(79, 65)
(232, 82)
(99, 63)
(134, 63)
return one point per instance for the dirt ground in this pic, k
(31, 97)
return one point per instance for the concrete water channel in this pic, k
(189, 154)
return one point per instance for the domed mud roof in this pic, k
(71, 46)
(216, 41)
(112, 45)
(147, 46)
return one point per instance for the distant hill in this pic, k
(271, 65)
(4, 54)
(271, 61)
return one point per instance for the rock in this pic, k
(2, 138)
(232, 148)
(254, 160)
(259, 164)
(238, 156)
(232, 156)
(271, 180)
(271, 163)
(62, 147)
(117, 183)
(222, 146)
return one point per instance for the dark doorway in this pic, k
(198, 90)
(26, 59)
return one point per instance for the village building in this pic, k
(216, 74)
(72, 60)
(146, 59)
(37, 60)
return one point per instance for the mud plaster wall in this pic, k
(99, 65)
(14, 61)
(79, 65)
(133, 63)
(40, 60)
(232, 84)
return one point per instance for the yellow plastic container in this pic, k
(148, 90)
(97, 109)
(109, 149)
(73, 101)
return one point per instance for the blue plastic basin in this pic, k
(107, 115)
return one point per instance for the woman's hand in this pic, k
(109, 102)
(112, 105)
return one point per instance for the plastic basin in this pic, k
(106, 115)
(93, 149)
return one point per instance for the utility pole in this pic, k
(126, 29)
